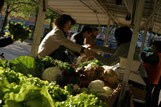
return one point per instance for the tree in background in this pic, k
(50, 16)
(22, 8)
(25, 9)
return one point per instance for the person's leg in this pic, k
(149, 88)
(155, 95)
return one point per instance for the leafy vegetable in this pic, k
(51, 73)
(23, 64)
(47, 61)
(83, 100)
(29, 91)
(64, 65)
(17, 31)
(28, 65)
(88, 62)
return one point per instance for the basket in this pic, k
(134, 66)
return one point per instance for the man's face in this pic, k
(67, 26)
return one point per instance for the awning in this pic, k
(100, 11)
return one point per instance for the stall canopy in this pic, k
(120, 12)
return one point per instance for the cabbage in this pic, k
(96, 85)
(51, 73)
(110, 78)
(108, 90)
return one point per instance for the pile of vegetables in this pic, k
(93, 70)
(18, 90)
(27, 81)
(21, 85)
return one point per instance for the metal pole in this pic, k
(38, 28)
(138, 15)
(145, 35)
(107, 34)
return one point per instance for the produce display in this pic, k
(44, 82)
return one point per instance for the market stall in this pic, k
(85, 12)
(101, 12)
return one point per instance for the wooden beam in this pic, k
(38, 28)
(138, 15)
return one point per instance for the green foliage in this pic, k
(17, 31)
(51, 15)
(22, 8)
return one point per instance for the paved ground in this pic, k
(16, 49)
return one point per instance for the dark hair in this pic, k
(123, 35)
(62, 20)
(1, 3)
(158, 45)
(86, 28)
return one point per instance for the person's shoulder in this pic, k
(55, 31)
(58, 30)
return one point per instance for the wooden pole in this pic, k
(38, 28)
(138, 15)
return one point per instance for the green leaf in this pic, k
(11, 103)
(23, 64)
